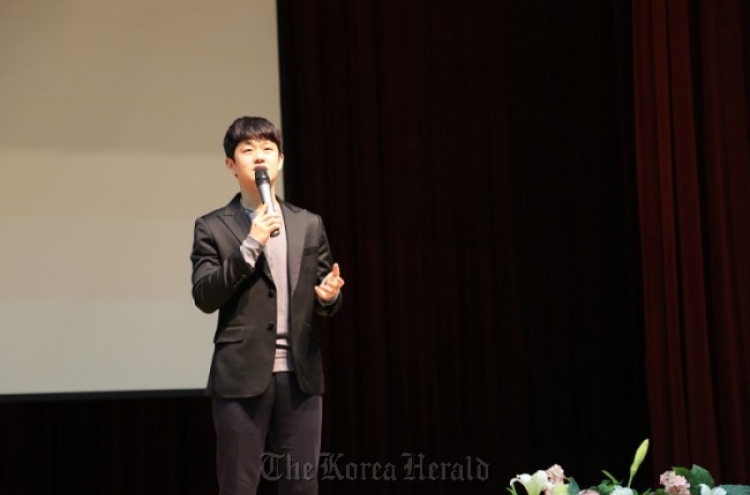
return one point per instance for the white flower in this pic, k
(534, 483)
(622, 491)
(705, 490)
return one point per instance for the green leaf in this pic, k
(574, 489)
(605, 488)
(736, 489)
(681, 471)
(612, 478)
(699, 476)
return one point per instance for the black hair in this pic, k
(245, 128)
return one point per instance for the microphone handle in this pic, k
(265, 195)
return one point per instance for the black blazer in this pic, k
(245, 338)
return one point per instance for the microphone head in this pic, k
(261, 175)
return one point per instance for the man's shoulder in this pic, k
(302, 212)
(211, 214)
(224, 210)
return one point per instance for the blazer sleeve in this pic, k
(325, 263)
(215, 280)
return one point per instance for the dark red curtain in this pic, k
(107, 446)
(473, 163)
(691, 65)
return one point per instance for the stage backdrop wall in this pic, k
(112, 121)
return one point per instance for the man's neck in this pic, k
(253, 201)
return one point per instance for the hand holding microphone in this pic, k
(264, 187)
(266, 222)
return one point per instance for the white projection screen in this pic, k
(112, 116)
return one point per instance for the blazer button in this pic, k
(271, 293)
(271, 326)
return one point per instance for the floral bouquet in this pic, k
(678, 481)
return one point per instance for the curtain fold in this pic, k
(691, 129)
(473, 166)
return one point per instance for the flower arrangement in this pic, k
(677, 481)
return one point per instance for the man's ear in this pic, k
(281, 161)
(230, 165)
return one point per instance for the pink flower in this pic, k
(555, 477)
(674, 484)
(556, 474)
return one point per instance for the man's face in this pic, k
(252, 154)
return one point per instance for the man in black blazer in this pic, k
(267, 271)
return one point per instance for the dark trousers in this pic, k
(291, 421)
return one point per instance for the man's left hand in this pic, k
(328, 290)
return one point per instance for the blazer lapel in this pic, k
(236, 219)
(238, 222)
(295, 241)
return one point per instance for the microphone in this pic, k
(264, 186)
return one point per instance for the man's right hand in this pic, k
(263, 224)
